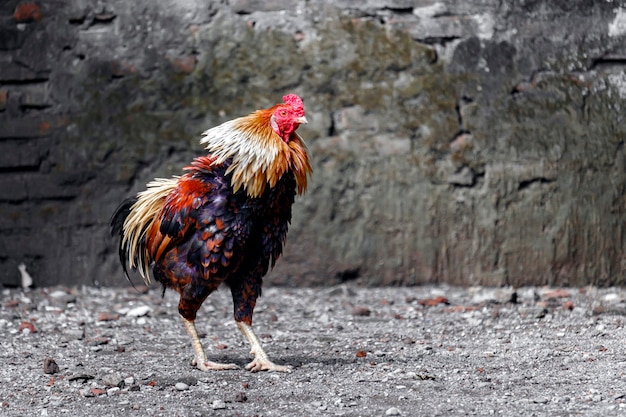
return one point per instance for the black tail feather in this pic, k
(117, 229)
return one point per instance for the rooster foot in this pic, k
(260, 364)
(213, 366)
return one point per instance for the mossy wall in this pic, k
(473, 143)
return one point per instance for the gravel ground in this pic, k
(427, 351)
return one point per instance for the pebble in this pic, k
(241, 397)
(86, 392)
(218, 405)
(612, 297)
(393, 411)
(361, 311)
(181, 386)
(113, 391)
(50, 366)
(138, 311)
(112, 380)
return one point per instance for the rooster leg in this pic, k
(261, 362)
(201, 360)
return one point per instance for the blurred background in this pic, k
(471, 142)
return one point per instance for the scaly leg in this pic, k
(201, 360)
(261, 362)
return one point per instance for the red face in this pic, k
(287, 117)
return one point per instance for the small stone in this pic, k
(361, 311)
(612, 298)
(435, 301)
(27, 327)
(241, 397)
(104, 316)
(138, 311)
(112, 380)
(50, 366)
(86, 392)
(181, 386)
(58, 294)
(218, 405)
(393, 411)
(113, 391)
(129, 381)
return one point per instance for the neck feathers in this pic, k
(259, 156)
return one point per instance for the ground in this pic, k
(420, 351)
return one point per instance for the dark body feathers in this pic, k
(208, 235)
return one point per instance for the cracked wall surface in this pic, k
(477, 142)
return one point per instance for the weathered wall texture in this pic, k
(466, 142)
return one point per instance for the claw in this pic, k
(259, 364)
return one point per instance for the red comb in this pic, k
(295, 102)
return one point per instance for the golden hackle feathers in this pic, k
(259, 156)
(143, 214)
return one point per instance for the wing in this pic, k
(202, 224)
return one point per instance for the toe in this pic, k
(214, 366)
(265, 365)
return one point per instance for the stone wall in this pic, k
(477, 142)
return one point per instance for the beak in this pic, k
(301, 120)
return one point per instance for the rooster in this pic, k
(223, 221)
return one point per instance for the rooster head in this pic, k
(287, 116)
(262, 147)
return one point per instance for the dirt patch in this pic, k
(417, 351)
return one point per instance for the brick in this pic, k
(24, 128)
(9, 274)
(4, 95)
(27, 12)
(35, 96)
(12, 188)
(11, 38)
(20, 153)
(10, 72)
(46, 186)
(35, 186)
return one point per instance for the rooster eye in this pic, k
(283, 113)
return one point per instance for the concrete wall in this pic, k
(477, 142)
